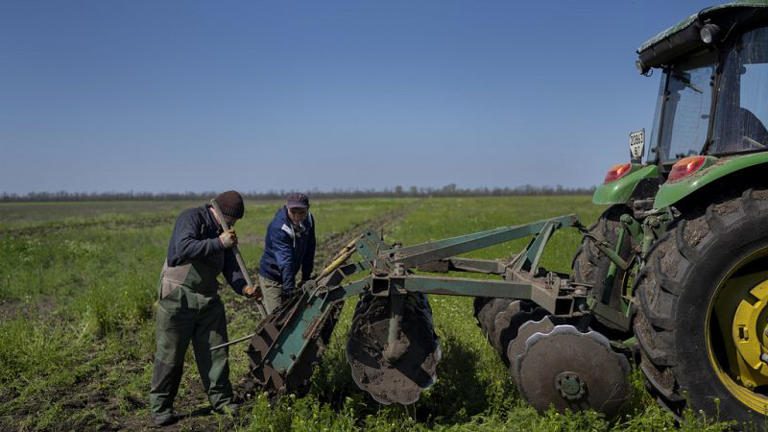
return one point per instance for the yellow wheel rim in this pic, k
(737, 333)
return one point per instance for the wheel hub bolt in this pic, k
(570, 385)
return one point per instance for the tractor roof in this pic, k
(684, 38)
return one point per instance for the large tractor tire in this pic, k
(702, 323)
(590, 267)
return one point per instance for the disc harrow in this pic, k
(392, 348)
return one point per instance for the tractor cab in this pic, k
(712, 96)
(712, 103)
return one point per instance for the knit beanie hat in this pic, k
(231, 204)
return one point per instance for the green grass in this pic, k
(78, 280)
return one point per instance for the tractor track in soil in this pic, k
(131, 414)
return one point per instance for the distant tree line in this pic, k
(450, 190)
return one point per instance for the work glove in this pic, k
(307, 285)
(253, 292)
(228, 239)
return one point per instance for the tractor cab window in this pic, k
(742, 105)
(685, 109)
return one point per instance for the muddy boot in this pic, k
(164, 419)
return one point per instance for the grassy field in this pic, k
(78, 280)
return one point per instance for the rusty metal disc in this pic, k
(486, 310)
(516, 347)
(507, 324)
(568, 369)
(410, 367)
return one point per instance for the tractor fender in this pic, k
(671, 193)
(621, 190)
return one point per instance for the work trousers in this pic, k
(272, 292)
(184, 316)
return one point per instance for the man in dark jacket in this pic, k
(289, 247)
(189, 307)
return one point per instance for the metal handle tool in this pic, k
(238, 257)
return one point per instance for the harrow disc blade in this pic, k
(486, 310)
(516, 347)
(573, 370)
(399, 373)
(507, 323)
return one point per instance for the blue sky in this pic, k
(167, 96)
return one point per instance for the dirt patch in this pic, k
(16, 309)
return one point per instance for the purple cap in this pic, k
(297, 200)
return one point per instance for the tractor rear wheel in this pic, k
(702, 324)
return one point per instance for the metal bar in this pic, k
(612, 315)
(533, 290)
(238, 340)
(349, 290)
(431, 246)
(369, 245)
(610, 276)
(613, 256)
(536, 248)
(463, 265)
(426, 252)
(393, 334)
(476, 265)
(238, 256)
(465, 287)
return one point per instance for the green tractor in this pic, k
(674, 272)
(691, 224)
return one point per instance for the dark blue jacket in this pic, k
(196, 238)
(288, 249)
